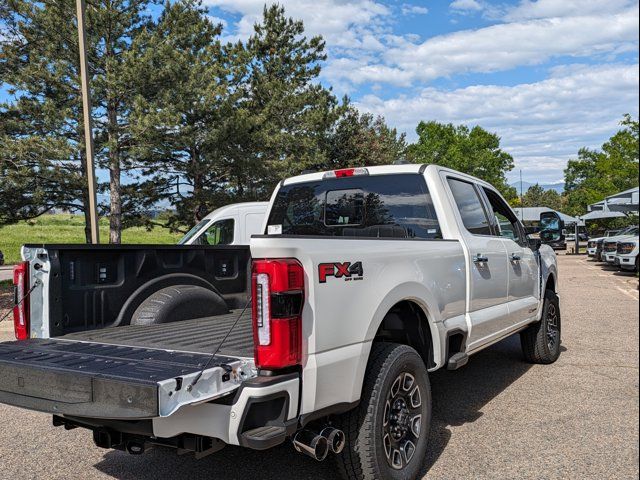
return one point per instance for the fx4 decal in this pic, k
(347, 270)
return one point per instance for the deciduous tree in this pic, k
(596, 174)
(470, 150)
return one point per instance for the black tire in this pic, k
(179, 302)
(541, 340)
(369, 428)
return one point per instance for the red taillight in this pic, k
(21, 304)
(277, 299)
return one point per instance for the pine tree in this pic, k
(288, 112)
(178, 118)
(39, 62)
(41, 138)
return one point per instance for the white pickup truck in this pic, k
(363, 281)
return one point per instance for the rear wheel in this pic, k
(541, 340)
(387, 433)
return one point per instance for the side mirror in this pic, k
(551, 228)
(534, 243)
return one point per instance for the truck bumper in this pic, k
(610, 257)
(262, 413)
(627, 262)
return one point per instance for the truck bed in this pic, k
(128, 372)
(201, 335)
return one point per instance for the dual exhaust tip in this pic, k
(318, 445)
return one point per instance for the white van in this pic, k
(229, 225)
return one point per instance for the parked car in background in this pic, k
(594, 246)
(229, 225)
(627, 254)
(610, 245)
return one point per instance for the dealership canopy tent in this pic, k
(600, 214)
(623, 202)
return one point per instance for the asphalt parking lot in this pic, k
(497, 418)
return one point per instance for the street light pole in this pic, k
(88, 135)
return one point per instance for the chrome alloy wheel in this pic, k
(402, 421)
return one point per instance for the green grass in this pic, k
(66, 228)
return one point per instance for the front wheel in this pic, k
(541, 340)
(387, 433)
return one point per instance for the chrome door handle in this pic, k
(515, 257)
(479, 258)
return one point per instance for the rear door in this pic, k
(522, 266)
(487, 261)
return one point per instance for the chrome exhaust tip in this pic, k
(311, 444)
(335, 438)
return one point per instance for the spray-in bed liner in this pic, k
(201, 335)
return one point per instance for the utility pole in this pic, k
(521, 205)
(88, 135)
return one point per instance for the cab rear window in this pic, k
(380, 206)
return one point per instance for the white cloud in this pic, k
(461, 6)
(409, 9)
(363, 48)
(527, 9)
(217, 21)
(341, 23)
(505, 46)
(541, 124)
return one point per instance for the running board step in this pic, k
(262, 438)
(457, 360)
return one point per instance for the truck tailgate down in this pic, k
(121, 379)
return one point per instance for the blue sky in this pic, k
(548, 76)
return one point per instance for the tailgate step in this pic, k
(110, 381)
(262, 438)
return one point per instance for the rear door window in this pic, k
(469, 205)
(382, 206)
